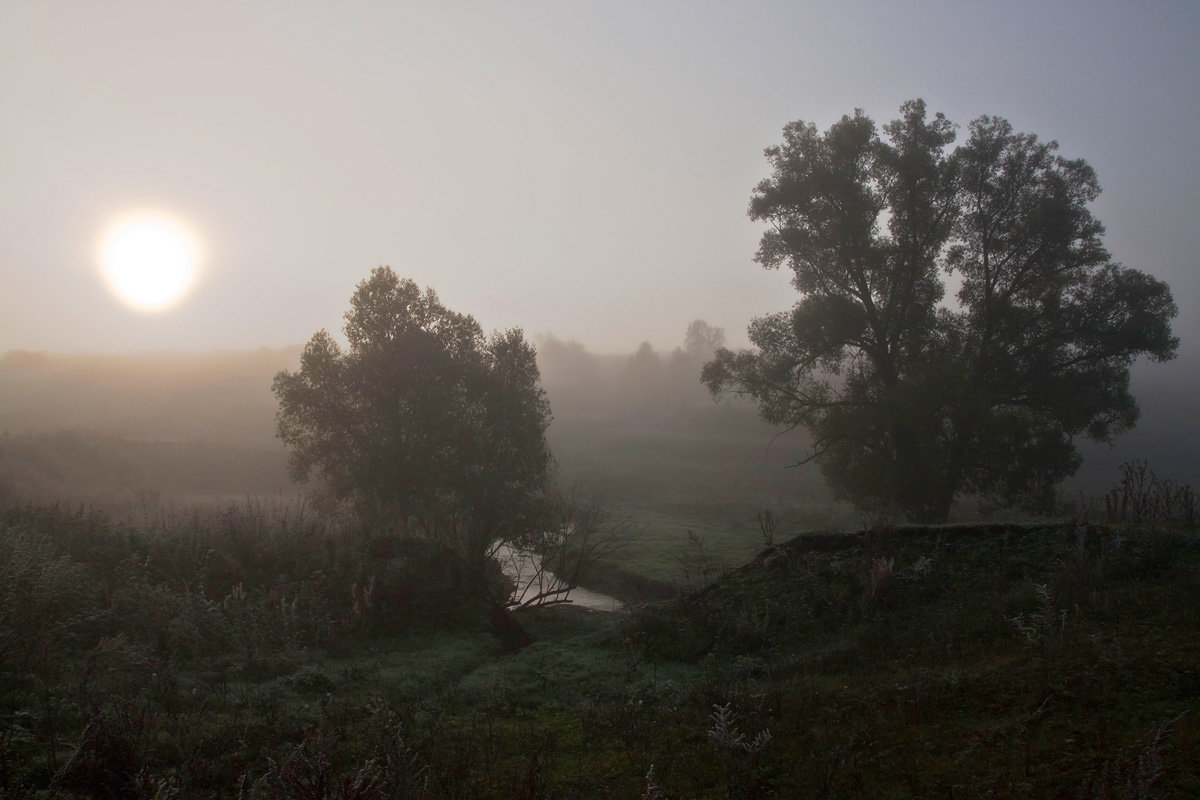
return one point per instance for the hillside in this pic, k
(960, 661)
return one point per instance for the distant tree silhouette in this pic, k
(423, 422)
(644, 362)
(702, 340)
(912, 404)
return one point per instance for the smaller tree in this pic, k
(702, 340)
(423, 423)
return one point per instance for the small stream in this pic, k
(522, 567)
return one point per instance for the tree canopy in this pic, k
(913, 399)
(423, 421)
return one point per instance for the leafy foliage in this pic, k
(422, 421)
(912, 404)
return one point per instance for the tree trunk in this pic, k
(920, 482)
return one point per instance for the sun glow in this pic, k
(149, 260)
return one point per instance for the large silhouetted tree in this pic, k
(423, 421)
(913, 402)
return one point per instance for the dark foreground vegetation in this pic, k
(262, 654)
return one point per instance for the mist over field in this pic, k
(637, 427)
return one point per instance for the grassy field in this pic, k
(687, 490)
(239, 654)
(664, 549)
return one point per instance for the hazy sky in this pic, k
(581, 168)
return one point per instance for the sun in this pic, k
(149, 260)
